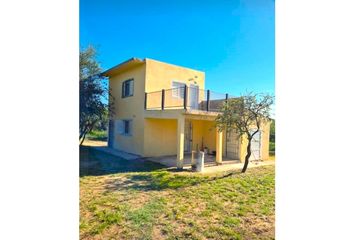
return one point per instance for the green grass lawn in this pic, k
(178, 205)
(98, 135)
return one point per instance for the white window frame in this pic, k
(177, 91)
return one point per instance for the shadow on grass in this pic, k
(96, 163)
(156, 180)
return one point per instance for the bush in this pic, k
(272, 146)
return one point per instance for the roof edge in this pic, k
(116, 67)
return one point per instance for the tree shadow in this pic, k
(97, 163)
(154, 181)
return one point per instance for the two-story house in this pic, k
(162, 110)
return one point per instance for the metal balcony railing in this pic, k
(185, 98)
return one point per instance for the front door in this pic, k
(188, 133)
(193, 96)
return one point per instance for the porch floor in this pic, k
(209, 160)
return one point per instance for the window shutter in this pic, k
(177, 89)
(119, 126)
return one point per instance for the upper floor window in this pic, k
(128, 88)
(178, 89)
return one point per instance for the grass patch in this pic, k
(168, 205)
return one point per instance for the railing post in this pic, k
(162, 99)
(208, 100)
(185, 97)
(145, 101)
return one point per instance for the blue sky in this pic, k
(231, 41)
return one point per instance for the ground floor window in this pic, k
(125, 127)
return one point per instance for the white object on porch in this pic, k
(200, 162)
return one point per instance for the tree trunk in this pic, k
(82, 132)
(247, 156)
(83, 138)
(87, 130)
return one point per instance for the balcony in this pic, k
(188, 98)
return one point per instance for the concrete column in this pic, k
(218, 147)
(180, 142)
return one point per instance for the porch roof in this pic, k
(176, 113)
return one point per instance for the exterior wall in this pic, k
(209, 135)
(130, 108)
(160, 137)
(197, 134)
(265, 130)
(160, 76)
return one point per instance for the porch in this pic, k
(171, 136)
(209, 160)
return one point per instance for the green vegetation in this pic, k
(94, 92)
(178, 205)
(98, 135)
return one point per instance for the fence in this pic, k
(185, 98)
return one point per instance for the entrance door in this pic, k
(194, 96)
(232, 145)
(188, 133)
(256, 146)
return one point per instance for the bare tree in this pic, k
(246, 114)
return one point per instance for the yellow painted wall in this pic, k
(160, 75)
(130, 108)
(197, 134)
(160, 137)
(209, 134)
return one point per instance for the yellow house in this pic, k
(162, 109)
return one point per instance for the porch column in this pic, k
(218, 147)
(180, 142)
